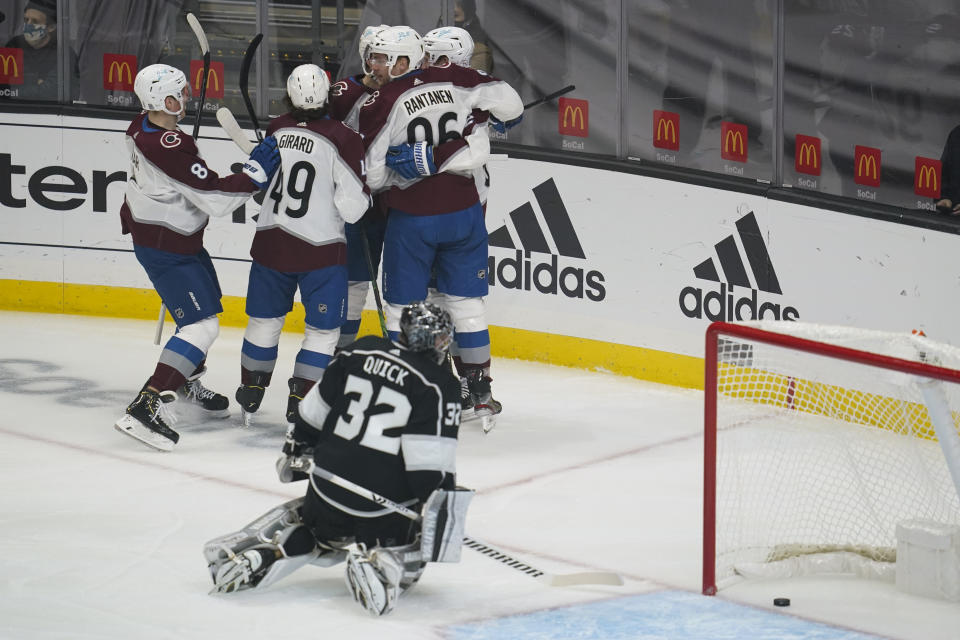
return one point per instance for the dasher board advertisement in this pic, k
(579, 252)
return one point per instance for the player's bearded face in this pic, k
(378, 63)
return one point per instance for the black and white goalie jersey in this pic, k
(388, 420)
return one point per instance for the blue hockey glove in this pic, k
(412, 160)
(501, 127)
(263, 162)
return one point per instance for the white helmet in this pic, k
(453, 42)
(395, 42)
(307, 87)
(158, 81)
(365, 39)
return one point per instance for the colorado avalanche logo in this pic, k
(372, 99)
(170, 139)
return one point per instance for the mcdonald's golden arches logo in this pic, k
(927, 177)
(119, 70)
(666, 130)
(866, 166)
(11, 65)
(807, 157)
(574, 117)
(733, 141)
(214, 79)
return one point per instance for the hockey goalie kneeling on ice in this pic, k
(383, 421)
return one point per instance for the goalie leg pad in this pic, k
(444, 518)
(376, 578)
(269, 548)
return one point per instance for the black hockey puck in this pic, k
(781, 602)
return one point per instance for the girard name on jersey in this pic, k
(427, 99)
(296, 142)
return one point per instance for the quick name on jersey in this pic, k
(296, 142)
(385, 369)
(428, 98)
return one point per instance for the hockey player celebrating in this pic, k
(435, 217)
(170, 194)
(385, 417)
(346, 98)
(300, 239)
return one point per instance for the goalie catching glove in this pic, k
(263, 162)
(412, 160)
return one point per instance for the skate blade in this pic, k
(130, 426)
(487, 423)
(246, 419)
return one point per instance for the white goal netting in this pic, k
(818, 454)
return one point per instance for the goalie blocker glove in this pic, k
(263, 162)
(412, 160)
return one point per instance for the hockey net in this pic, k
(818, 441)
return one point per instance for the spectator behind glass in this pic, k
(949, 202)
(465, 17)
(39, 44)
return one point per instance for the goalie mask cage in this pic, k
(821, 439)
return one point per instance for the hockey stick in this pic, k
(232, 128)
(550, 579)
(548, 97)
(373, 280)
(244, 79)
(205, 50)
(163, 316)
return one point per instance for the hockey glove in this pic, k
(263, 162)
(501, 127)
(294, 464)
(412, 160)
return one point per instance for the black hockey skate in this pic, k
(146, 420)
(298, 389)
(213, 404)
(250, 395)
(484, 407)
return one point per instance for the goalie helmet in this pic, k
(365, 39)
(453, 42)
(395, 43)
(307, 87)
(425, 327)
(156, 82)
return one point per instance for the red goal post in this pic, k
(784, 395)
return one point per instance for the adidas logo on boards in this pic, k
(727, 303)
(524, 271)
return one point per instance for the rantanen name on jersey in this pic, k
(428, 98)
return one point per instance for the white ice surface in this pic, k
(101, 537)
